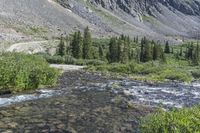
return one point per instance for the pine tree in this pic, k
(167, 48)
(87, 44)
(186, 52)
(132, 55)
(197, 50)
(101, 52)
(68, 45)
(181, 51)
(162, 55)
(61, 47)
(138, 55)
(156, 51)
(172, 50)
(120, 46)
(125, 56)
(143, 41)
(113, 54)
(74, 45)
(136, 40)
(195, 58)
(79, 50)
(190, 51)
(94, 53)
(147, 52)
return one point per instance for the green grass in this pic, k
(20, 72)
(150, 19)
(151, 71)
(186, 120)
(37, 31)
(71, 60)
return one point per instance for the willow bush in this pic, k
(22, 72)
(186, 120)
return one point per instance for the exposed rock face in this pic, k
(158, 19)
(171, 17)
(187, 7)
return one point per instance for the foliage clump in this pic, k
(185, 120)
(22, 72)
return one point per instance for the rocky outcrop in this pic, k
(188, 7)
(144, 6)
(169, 17)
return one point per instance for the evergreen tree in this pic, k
(195, 58)
(61, 47)
(190, 51)
(68, 45)
(172, 50)
(120, 46)
(137, 40)
(162, 55)
(138, 55)
(101, 52)
(147, 52)
(125, 49)
(87, 44)
(167, 48)
(181, 51)
(186, 53)
(74, 45)
(79, 46)
(94, 53)
(113, 55)
(156, 52)
(143, 42)
(132, 54)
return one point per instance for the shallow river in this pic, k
(164, 95)
(90, 103)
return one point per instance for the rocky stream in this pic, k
(85, 102)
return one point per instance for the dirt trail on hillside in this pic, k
(28, 47)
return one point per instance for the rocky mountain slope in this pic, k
(158, 19)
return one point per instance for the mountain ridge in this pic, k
(156, 19)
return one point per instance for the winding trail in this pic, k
(28, 47)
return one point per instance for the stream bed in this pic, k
(88, 102)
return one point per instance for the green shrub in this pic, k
(196, 74)
(80, 62)
(69, 60)
(149, 70)
(21, 72)
(173, 74)
(177, 121)
(54, 59)
(119, 68)
(94, 62)
(102, 68)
